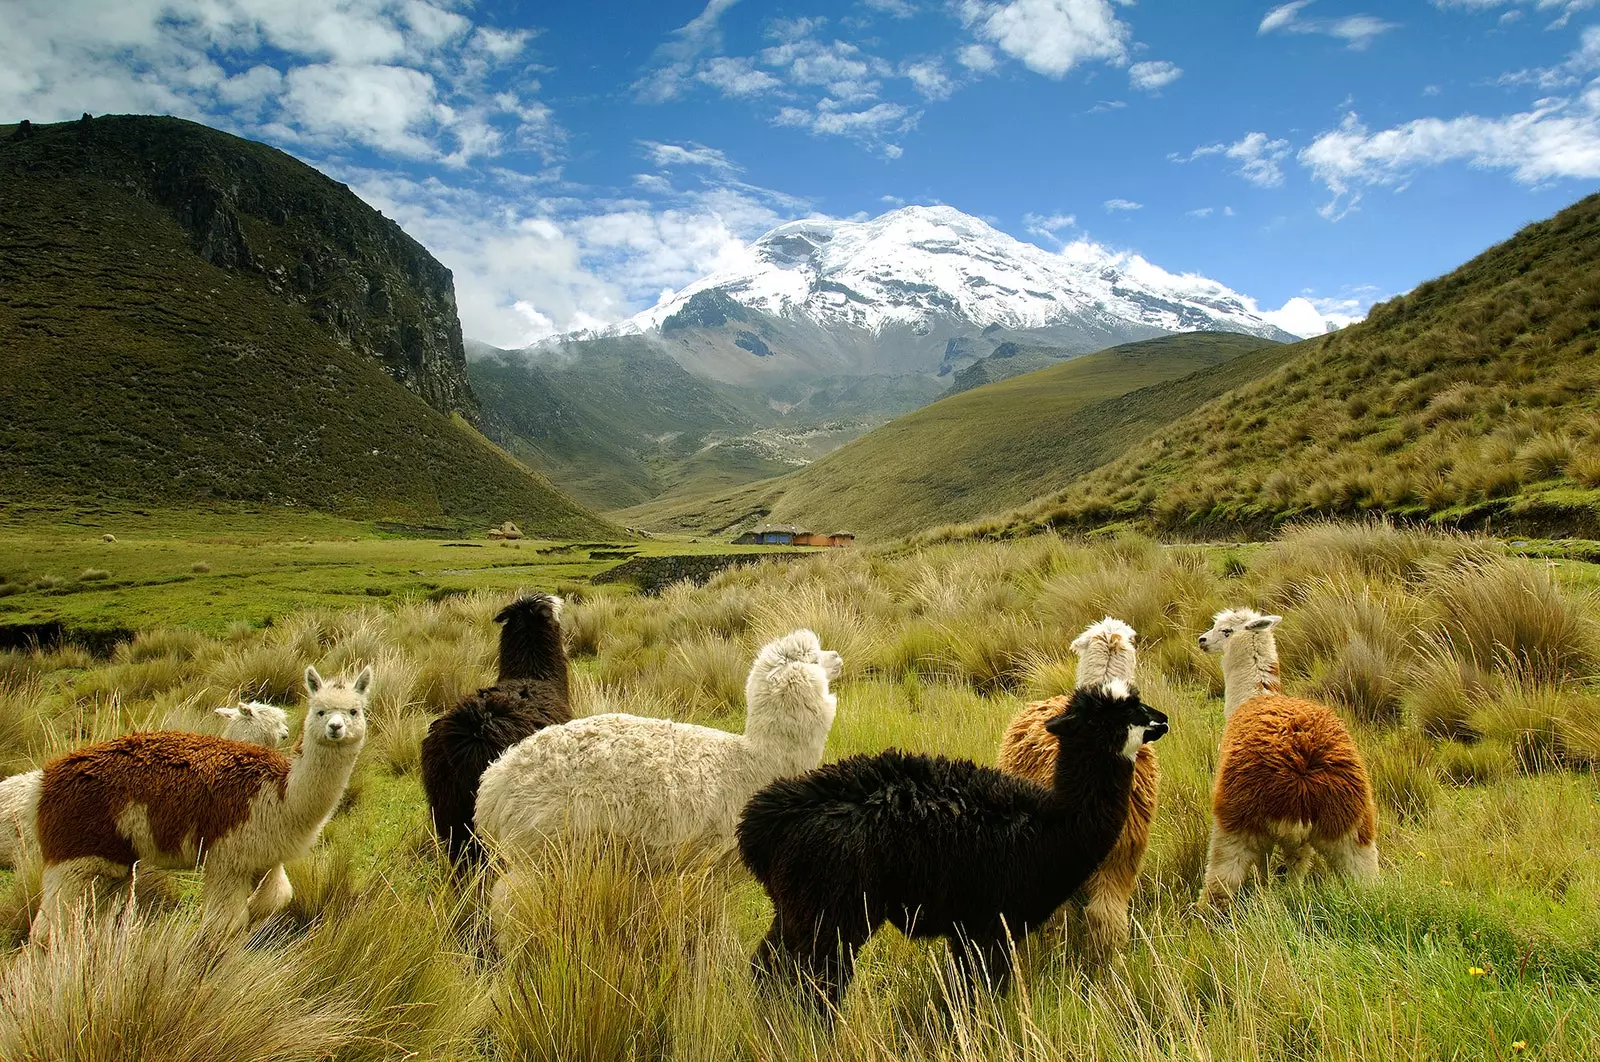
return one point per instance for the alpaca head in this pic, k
(1105, 652)
(547, 606)
(1109, 716)
(336, 713)
(257, 723)
(789, 682)
(1233, 626)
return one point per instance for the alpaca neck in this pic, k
(793, 740)
(1100, 664)
(536, 659)
(1092, 788)
(1249, 668)
(317, 781)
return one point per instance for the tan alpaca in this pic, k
(1288, 774)
(175, 800)
(1105, 653)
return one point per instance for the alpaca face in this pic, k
(336, 714)
(1231, 622)
(257, 723)
(1112, 716)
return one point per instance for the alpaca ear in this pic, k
(364, 680)
(227, 713)
(313, 680)
(1263, 623)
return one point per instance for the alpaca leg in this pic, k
(225, 903)
(68, 894)
(1229, 860)
(1350, 857)
(270, 896)
(1297, 861)
(1109, 892)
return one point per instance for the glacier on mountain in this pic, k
(918, 264)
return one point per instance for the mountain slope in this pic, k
(132, 367)
(986, 448)
(618, 424)
(1471, 401)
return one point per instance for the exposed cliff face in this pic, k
(309, 239)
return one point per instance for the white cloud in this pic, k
(666, 156)
(1585, 60)
(832, 118)
(1565, 8)
(1558, 138)
(675, 71)
(892, 8)
(1200, 212)
(977, 58)
(1114, 205)
(736, 76)
(409, 78)
(1307, 316)
(1050, 37)
(1049, 226)
(1154, 75)
(1258, 156)
(930, 79)
(1357, 31)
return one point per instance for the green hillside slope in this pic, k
(134, 369)
(984, 449)
(1470, 402)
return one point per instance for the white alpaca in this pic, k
(662, 783)
(251, 722)
(168, 799)
(1105, 653)
(1288, 775)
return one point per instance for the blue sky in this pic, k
(571, 161)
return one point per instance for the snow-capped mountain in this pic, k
(918, 267)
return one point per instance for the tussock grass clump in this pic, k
(1504, 615)
(128, 988)
(272, 673)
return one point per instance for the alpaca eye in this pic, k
(321, 713)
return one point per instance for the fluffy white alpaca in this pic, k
(250, 721)
(174, 800)
(659, 782)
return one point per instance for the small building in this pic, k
(829, 538)
(772, 535)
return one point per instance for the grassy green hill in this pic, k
(133, 369)
(988, 448)
(1472, 402)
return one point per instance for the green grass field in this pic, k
(210, 571)
(987, 449)
(1466, 674)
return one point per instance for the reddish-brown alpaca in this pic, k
(1289, 773)
(1105, 652)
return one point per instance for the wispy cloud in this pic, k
(1154, 75)
(1049, 226)
(1563, 9)
(1114, 206)
(1556, 138)
(1200, 212)
(1357, 31)
(1257, 154)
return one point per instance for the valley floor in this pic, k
(1466, 675)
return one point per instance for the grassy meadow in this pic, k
(1467, 675)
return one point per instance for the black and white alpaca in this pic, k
(531, 693)
(939, 847)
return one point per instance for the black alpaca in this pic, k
(939, 847)
(531, 693)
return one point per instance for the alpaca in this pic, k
(1105, 653)
(251, 722)
(531, 693)
(1288, 774)
(175, 800)
(662, 783)
(939, 847)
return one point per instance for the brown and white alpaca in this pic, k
(1105, 654)
(176, 800)
(1289, 774)
(250, 721)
